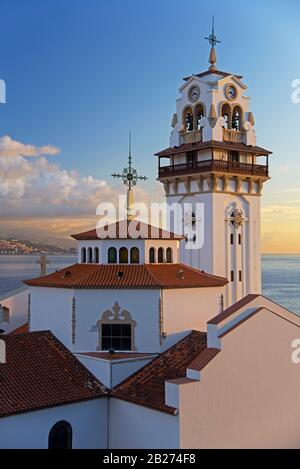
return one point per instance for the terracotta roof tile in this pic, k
(21, 329)
(40, 372)
(143, 276)
(128, 229)
(213, 144)
(147, 386)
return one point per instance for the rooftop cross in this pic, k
(43, 264)
(130, 178)
(213, 40)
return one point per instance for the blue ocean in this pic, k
(280, 275)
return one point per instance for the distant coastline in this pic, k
(280, 274)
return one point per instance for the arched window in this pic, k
(199, 113)
(90, 255)
(60, 436)
(226, 113)
(237, 118)
(83, 255)
(188, 119)
(160, 256)
(169, 255)
(112, 256)
(123, 256)
(152, 256)
(134, 256)
(96, 255)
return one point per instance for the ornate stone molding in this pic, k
(116, 315)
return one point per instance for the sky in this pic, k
(80, 74)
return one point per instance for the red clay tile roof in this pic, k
(213, 144)
(40, 372)
(143, 276)
(233, 309)
(146, 387)
(128, 229)
(21, 329)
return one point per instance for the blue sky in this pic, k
(81, 73)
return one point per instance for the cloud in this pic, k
(283, 170)
(12, 148)
(36, 187)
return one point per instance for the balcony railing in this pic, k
(193, 137)
(214, 165)
(234, 136)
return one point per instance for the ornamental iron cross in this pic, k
(237, 218)
(212, 38)
(129, 175)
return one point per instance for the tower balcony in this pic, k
(233, 136)
(192, 137)
(209, 166)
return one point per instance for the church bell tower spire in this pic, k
(212, 39)
(130, 178)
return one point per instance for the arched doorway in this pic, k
(60, 436)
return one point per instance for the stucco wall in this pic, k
(248, 396)
(112, 372)
(143, 305)
(133, 426)
(30, 431)
(51, 308)
(191, 308)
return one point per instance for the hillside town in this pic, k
(13, 246)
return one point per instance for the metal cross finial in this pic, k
(129, 175)
(212, 39)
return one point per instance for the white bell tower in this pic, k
(213, 160)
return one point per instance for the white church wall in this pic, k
(31, 430)
(217, 256)
(200, 258)
(120, 370)
(143, 306)
(132, 426)
(190, 308)
(17, 303)
(112, 372)
(251, 374)
(51, 308)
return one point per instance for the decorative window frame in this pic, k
(116, 315)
